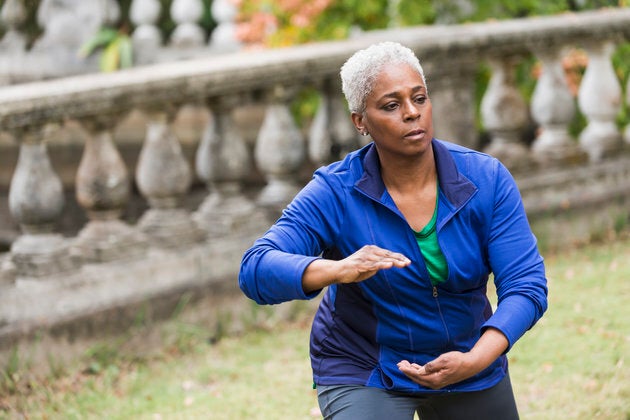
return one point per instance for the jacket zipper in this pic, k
(435, 290)
(437, 302)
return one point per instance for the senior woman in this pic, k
(404, 234)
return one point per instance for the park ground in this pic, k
(574, 364)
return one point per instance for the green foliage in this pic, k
(116, 49)
(304, 106)
(621, 64)
(341, 16)
(10, 375)
(416, 12)
(505, 9)
(102, 356)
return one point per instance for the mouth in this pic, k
(415, 134)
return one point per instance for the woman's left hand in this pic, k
(447, 369)
(456, 366)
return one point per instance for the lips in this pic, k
(415, 134)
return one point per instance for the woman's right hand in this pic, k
(357, 267)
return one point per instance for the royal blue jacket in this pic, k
(362, 330)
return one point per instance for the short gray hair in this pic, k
(360, 71)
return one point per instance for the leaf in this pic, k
(126, 52)
(101, 39)
(110, 58)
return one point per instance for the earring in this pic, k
(364, 133)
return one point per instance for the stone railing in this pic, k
(180, 243)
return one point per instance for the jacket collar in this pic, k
(456, 188)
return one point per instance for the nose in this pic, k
(411, 111)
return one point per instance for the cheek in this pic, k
(429, 110)
(380, 124)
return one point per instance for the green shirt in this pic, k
(430, 249)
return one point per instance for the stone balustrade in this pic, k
(45, 277)
(66, 25)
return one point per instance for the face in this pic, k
(398, 113)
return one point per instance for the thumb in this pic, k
(435, 365)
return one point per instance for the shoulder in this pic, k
(471, 163)
(465, 153)
(345, 171)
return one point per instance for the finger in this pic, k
(396, 257)
(430, 381)
(377, 265)
(440, 362)
(403, 364)
(413, 370)
(381, 264)
(385, 253)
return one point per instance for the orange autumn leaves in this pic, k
(267, 23)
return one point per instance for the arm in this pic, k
(284, 264)
(519, 272)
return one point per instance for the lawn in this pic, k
(572, 365)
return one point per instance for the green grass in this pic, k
(572, 365)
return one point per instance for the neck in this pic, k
(409, 174)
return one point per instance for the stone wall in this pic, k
(166, 211)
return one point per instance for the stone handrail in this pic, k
(173, 246)
(198, 79)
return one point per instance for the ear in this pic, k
(357, 120)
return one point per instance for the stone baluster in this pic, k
(223, 161)
(223, 37)
(36, 200)
(187, 33)
(599, 98)
(279, 151)
(59, 20)
(13, 14)
(504, 114)
(553, 108)
(13, 43)
(332, 133)
(164, 176)
(102, 189)
(146, 38)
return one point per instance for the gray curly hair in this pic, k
(360, 71)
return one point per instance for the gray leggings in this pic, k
(352, 402)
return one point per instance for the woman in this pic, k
(404, 233)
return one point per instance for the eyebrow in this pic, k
(395, 94)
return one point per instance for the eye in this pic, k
(390, 106)
(420, 99)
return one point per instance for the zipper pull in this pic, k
(435, 293)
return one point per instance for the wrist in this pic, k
(490, 346)
(474, 362)
(319, 274)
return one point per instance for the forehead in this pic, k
(395, 77)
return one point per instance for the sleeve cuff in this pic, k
(513, 317)
(283, 277)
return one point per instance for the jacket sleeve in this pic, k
(271, 270)
(518, 267)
